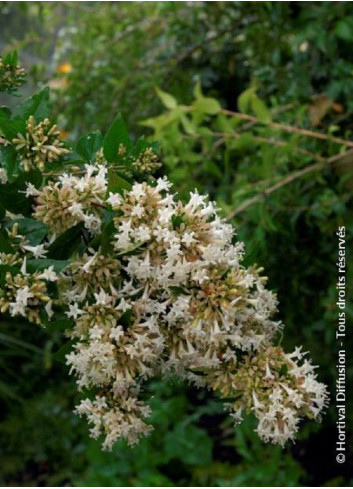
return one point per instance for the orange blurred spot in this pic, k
(63, 68)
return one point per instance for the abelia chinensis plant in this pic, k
(144, 284)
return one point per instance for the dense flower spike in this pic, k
(168, 295)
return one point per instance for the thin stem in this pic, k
(285, 181)
(287, 128)
(259, 139)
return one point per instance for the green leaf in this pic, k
(177, 220)
(141, 145)
(41, 264)
(5, 244)
(178, 290)
(8, 161)
(237, 395)
(11, 128)
(60, 355)
(33, 230)
(245, 98)
(198, 90)
(38, 106)
(87, 146)
(207, 105)
(167, 99)
(12, 195)
(190, 444)
(61, 324)
(283, 370)
(67, 243)
(116, 183)
(117, 135)
(106, 237)
(343, 30)
(242, 142)
(126, 317)
(260, 109)
(5, 113)
(130, 249)
(11, 58)
(188, 126)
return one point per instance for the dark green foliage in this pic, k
(88, 146)
(116, 136)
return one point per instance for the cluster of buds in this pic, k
(12, 76)
(169, 295)
(146, 163)
(40, 145)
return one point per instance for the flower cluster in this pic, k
(275, 388)
(72, 199)
(25, 294)
(165, 293)
(40, 145)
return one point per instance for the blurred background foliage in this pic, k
(236, 93)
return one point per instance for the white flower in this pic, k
(123, 305)
(24, 266)
(96, 333)
(49, 274)
(163, 184)
(30, 191)
(76, 209)
(188, 238)
(48, 309)
(92, 223)
(21, 300)
(268, 375)
(142, 233)
(196, 200)
(87, 266)
(257, 403)
(200, 275)
(114, 200)
(297, 353)
(137, 210)
(74, 311)
(116, 333)
(102, 298)
(38, 251)
(137, 191)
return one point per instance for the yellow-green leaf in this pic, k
(167, 99)
(260, 109)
